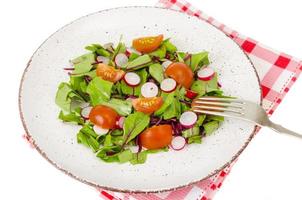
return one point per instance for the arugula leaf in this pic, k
(133, 56)
(104, 152)
(122, 107)
(181, 56)
(171, 48)
(200, 120)
(215, 118)
(139, 62)
(93, 143)
(139, 158)
(107, 141)
(174, 110)
(117, 140)
(88, 137)
(121, 48)
(197, 60)
(99, 90)
(117, 132)
(210, 127)
(194, 139)
(125, 156)
(160, 52)
(168, 100)
(62, 96)
(89, 57)
(134, 124)
(82, 139)
(82, 67)
(199, 87)
(88, 131)
(126, 89)
(71, 117)
(190, 132)
(98, 49)
(212, 85)
(157, 72)
(91, 74)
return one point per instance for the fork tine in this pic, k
(220, 99)
(212, 113)
(212, 108)
(215, 103)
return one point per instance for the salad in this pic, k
(135, 101)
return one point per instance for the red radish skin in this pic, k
(191, 94)
(188, 119)
(102, 59)
(132, 79)
(206, 74)
(149, 89)
(168, 85)
(85, 112)
(121, 59)
(166, 64)
(178, 143)
(100, 131)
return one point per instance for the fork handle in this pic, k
(281, 129)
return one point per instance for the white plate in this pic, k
(56, 141)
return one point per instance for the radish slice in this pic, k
(168, 85)
(188, 119)
(191, 94)
(108, 45)
(149, 89)
(99, 130)
(120, 122)
(121, 59)
(178, 143)
(102, 59)
(134, 149)
(85, 112)
(166, 64)
(132, 79)
(205, 74)
(131, 50)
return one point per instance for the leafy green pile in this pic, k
(85, 88)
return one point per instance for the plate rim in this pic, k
(27, 133)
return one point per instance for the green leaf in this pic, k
(122, 107)
(117, 132)
(210, 127)
(102, 154)
(168, 100)
(125, 156)
(139, 62)
(133, 56)
(121, 48)
(181, 56)
(194, 139)
(82, 67)
(212, 85)
(71, 117)
(200, 120)
(143, 74)
(134, 124)
(126, 89)
(171, 48)
(107, 141)
(99, 90)
(160, 52)
(89, 57)
(197, 60)
(139, 158)
(82, 139)
(103, 52)
(199, 87)
(88, 131)
(91, 74)
(157, 72)
(151, 151)
(174, 110)
(62, 96)
(117, 140)
(98, 49)
(93, 143)
(190, 132)
(215, 118)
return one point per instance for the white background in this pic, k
(269, 169)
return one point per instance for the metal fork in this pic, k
(236, 108)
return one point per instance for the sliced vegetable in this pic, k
(103, 116)
(85, 112)
(147, 105)
(103, 59)
(132, 79)
(166, 64)
(168, 85)
(147, 44)
(108, 73)
(205, 74)
(156, 137)
(121, 59)
(191, 94)
(149, 89)
(120, 122)
(178, 143)
(99, 130)
(188, 119)
(181, 73)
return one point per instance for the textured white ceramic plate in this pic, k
(57, 141)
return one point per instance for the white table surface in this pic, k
(270, 168)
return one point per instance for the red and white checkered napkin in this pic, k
(277, 72)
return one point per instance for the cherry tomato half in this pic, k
(103, 116)
(147, 105)
(181, 73)
(109, 73)
(156, 137)
(147, 44)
